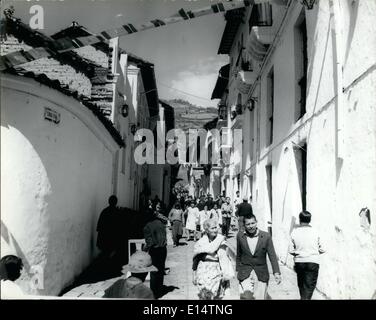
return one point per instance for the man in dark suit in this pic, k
(252, 247)
(243, 209)
(156, 244)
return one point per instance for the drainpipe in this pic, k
(335, 13)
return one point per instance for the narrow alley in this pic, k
(137, 123)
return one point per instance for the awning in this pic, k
(222, 82)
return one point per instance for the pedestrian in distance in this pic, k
(253, 245)
(243, 209)
(226, 216)
(306, 248)
(216, 214)
(193, 216)
(176, 217)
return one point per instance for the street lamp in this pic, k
(308, 3)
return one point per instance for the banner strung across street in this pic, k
(19, 57)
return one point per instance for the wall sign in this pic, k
(51, 115)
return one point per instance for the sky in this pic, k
(184, 54)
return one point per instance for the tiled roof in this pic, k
(55, 84)
(99, 76)
(146, 67)
(36, 39)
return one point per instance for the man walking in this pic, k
(176, 218)
(252, 247)
(156, 245)
(306, 247)
(226, 216)
(243, 210)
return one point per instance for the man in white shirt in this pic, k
(10, 270)
(306, 247)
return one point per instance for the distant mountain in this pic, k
(190, 116)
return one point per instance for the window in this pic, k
(300, 152)
(301, 65)
(269, 107)
(269, 186)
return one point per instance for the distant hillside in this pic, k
(190, 116)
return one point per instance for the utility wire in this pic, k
(187, 93)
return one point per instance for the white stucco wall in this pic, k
(55, 180)
(339, 184)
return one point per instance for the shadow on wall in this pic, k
(353, 8)
(310, 71)
(102, 268)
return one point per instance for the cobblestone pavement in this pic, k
(179, 279)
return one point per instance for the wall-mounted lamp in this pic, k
(308, 3)
(222, 109)
(133, 128)
(124, 110)
(251, 104)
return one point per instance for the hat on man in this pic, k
(139, 262)
(245, 198)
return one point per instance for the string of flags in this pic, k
(65, 44)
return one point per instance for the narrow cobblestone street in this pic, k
(179, 284)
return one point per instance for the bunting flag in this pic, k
(19, 57)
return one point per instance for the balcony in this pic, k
(258, 42)
(244, 80)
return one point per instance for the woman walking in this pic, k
(212, 265)
(192, 218)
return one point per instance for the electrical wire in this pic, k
(187, 93)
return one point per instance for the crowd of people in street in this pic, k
(207, 222)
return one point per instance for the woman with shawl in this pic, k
(212, 265)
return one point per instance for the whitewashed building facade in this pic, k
(301, 86)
